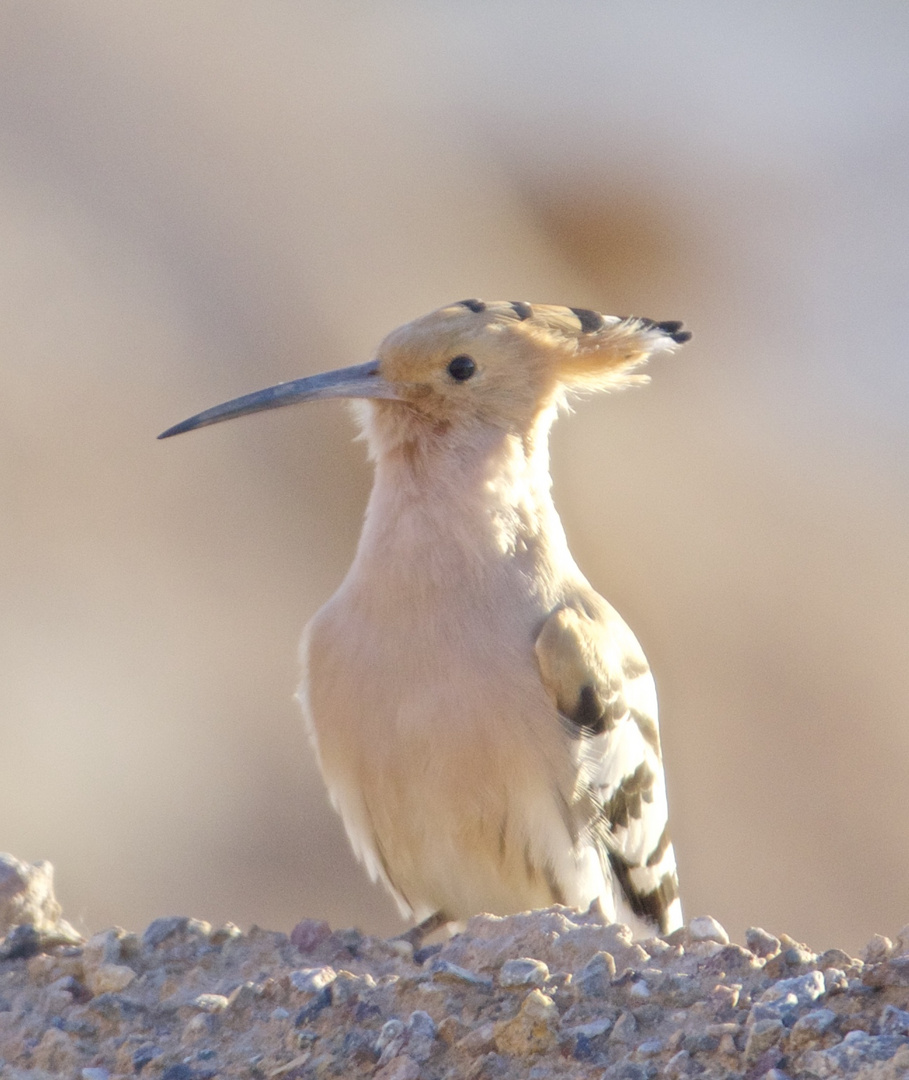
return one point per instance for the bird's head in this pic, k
(501, 364)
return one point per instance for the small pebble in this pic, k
(818, 1020)
(523, 972)
(225, 933)
(706, 928)
(244, 996)
(699, 1042)
(110, 979)
(312, 980)
(178, 1071)
(719, 1030)
(835, 981)
(894, 1021)
(350, 939)
(763, 1034)
(834, 958)
(679, 1065)
(480, 1040)
(196, 1025)
(595, 978)
(210, 1003)
(877, 949)
(804, 988)
(347, 987)
(160, 930)
(533, 1030)
(103, 948)
(401, 947)
(420, 1036)
(392, 1030)
(625, 1029)
(445, 971)
(726, 997)
(592, 1030)
(727, 1045)
(309, 934)
(761, 943)
(810, 1028)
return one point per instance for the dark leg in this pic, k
(415, 935)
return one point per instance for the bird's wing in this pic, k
(596, 674)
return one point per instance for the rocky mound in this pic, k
(546, 994)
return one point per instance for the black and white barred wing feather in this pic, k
(598, 677)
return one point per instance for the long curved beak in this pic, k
(361, 381)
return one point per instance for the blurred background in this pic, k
(198, 200)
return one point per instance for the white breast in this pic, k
(439, 745)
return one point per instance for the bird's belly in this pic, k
(452, 775)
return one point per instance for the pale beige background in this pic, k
(201, 198)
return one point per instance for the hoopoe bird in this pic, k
(485, 722)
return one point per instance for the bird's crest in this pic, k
(586, 350)
(594, 351)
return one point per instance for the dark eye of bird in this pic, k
(461, 368)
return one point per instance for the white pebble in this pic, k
(706, 928)
(110, 979)
(524, 971)
(312, 980)
(210, 1003)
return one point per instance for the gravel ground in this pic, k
(545, 994)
